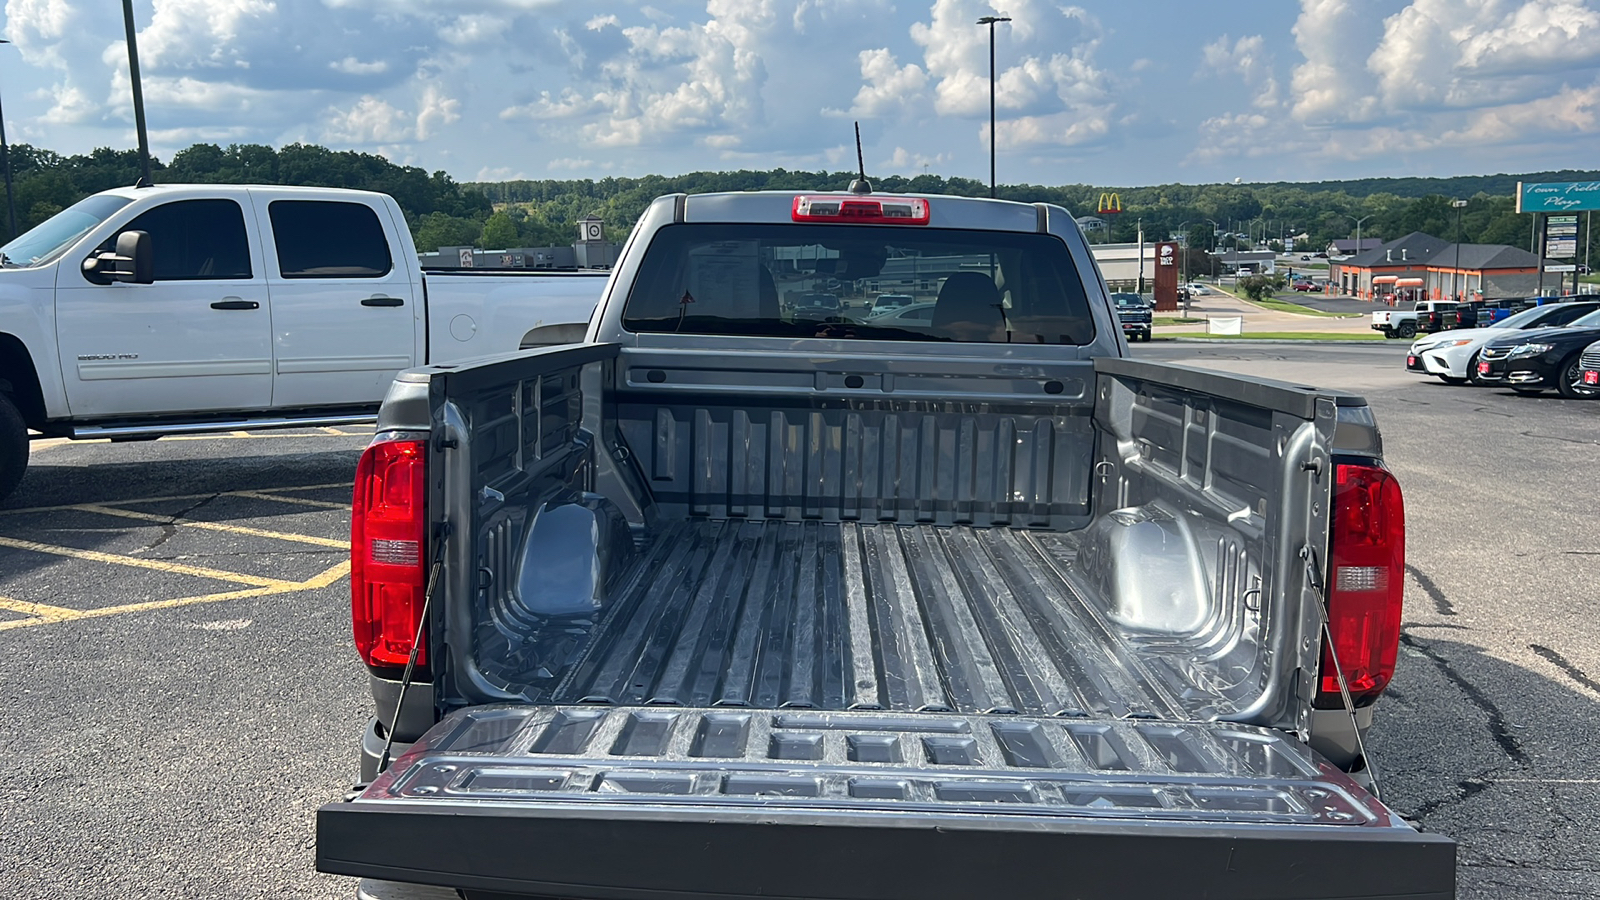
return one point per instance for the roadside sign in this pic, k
(1561, 247)
(1558, 197)
(1563, 220)
(1569, 267)
(466, 258)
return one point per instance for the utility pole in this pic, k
(138, 95)
(5, 153)
(989, 21)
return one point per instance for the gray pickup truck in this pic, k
(745, 599)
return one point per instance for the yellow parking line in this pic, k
(61, 614)
(40, 613)
(303, 501)
(211, 526)
(158, 565)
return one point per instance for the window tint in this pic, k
(1568, 315)
(324, 239)
(804, 280)
(193, 240)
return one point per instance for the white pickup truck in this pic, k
(1405, 323)
(143, 312)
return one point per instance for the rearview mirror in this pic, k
(132, 263)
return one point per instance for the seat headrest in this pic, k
(968, 307)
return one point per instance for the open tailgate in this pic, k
(654, 802)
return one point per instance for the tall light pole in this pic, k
(138, 94)
(1358, 233)
(989, 21)
(1456, 273)
(5, 155)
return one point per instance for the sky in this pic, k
(1125, 93)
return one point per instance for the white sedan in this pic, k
(1453, 355)
(1196, 287)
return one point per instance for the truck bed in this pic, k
(839, 616)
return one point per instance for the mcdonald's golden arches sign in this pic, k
(1110, 203)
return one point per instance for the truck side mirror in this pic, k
(133, 262)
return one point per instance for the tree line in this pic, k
(529, 213)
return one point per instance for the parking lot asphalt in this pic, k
(180, 691)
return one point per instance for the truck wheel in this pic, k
(1408, 331)
(1389, 335)
(13, 447)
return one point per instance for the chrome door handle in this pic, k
(383, 301)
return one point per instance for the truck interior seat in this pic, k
(968, 308)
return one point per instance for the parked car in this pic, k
(179, 309)
(1197, 288)
(885, 302)
(916, 313)
(1135, 315)
(749, 607)
(1589, 365)
(1306, 284)
(1531, 362)
(1452, 356)
(816, 305)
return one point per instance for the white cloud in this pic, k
(435, 110)
(370, 121)
(69, 106)
(1248, 59)
(352, 66)
(911, 163)
(1332, 36)
(569, 164)
(199, 33)
(887, 87)
(1049, 85)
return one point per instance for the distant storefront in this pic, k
(1422, 267)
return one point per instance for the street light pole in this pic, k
(138, 94)
(5, 155)
(1454, 287)
(989, 21)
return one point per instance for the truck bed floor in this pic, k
(846, 616)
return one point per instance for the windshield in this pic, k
(783, 280)
(1128, 299)
(50, 238)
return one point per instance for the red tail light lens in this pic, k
(1366, 581)
(388, 565)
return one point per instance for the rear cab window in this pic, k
(329, 239)
(821, 280)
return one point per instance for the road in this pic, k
(181, 694)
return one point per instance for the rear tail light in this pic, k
(388, 568)
(1366, 584)
(853, 210)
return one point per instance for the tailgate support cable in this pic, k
(416, 643)
(1344, 694)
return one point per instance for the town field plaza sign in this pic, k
(1558, 197)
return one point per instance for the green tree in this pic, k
(499, 232)
(439, 229)
(1261, 287)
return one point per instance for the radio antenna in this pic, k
(860, 185)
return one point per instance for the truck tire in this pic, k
(1408, 330)
(13, 447)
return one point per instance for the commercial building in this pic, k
(1349, 247)
(1422, 267)
(1398, 267)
